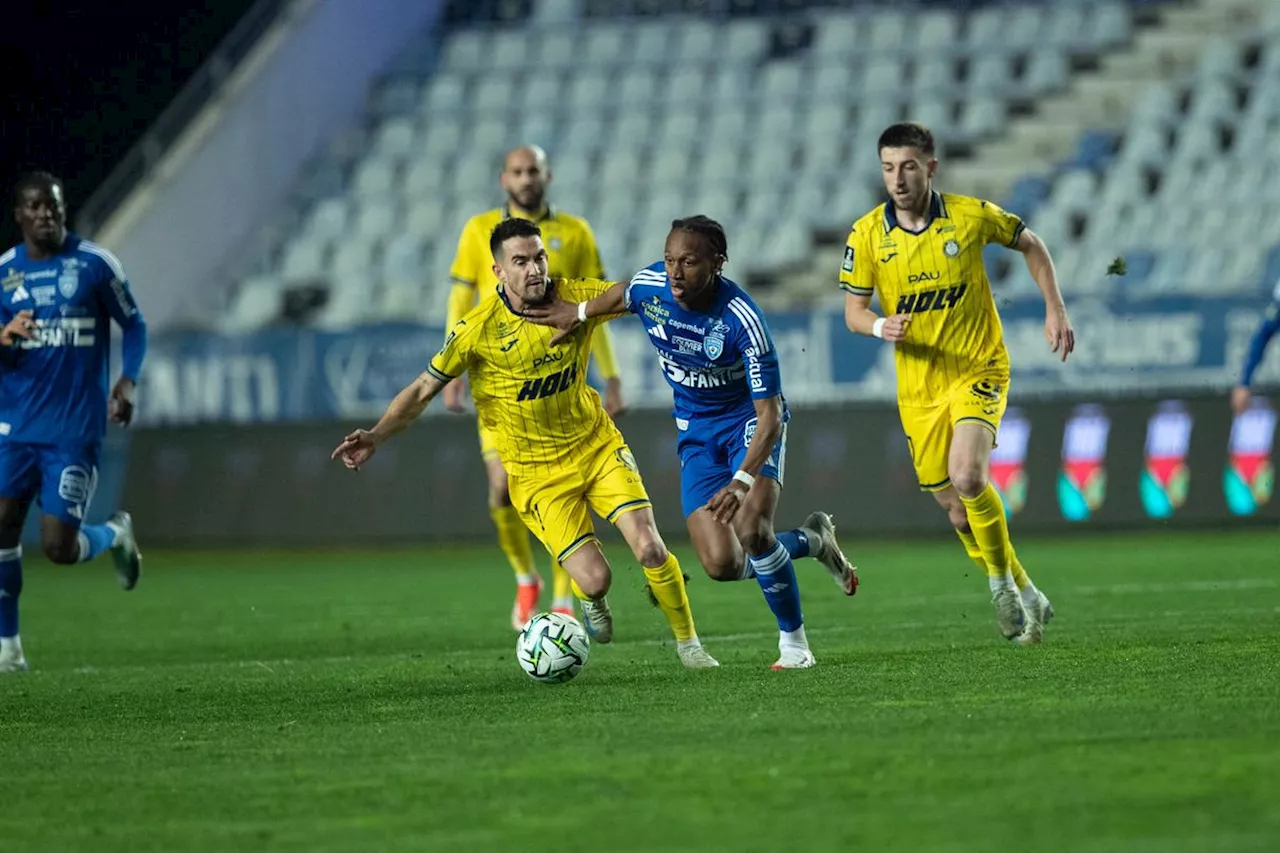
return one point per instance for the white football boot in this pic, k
(1038, 616)
(598, 620)
(11, 657)
(125, 553)
(793, 657)
(694, 656)
(1009, 613)
(829, 554)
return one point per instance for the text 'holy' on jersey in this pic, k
(716, 363)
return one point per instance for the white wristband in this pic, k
(877, 328)
(582, 312)
(744, 477)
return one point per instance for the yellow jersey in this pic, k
(571, 253)
(936, 276)
(533, 397)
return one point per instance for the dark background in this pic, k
(82, 81)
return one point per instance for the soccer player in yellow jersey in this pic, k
(571, 253)
(562, 452)
(921, 253)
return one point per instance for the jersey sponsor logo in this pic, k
(931, 300)
(755, 374)
(688, 327)
(43, 295)
(549, 358)
(69, 279)
(847, 266)
(654, 309)
(702, 377)
(944, 229)
(126, 304)
(12, 281)
(547, 386)
(659, 332)
(40, 274)
(917, 277)
(62, 332)
(685, 345)
(713, 343)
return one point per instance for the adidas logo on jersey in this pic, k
(659, 332)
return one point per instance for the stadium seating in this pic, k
(768, 123)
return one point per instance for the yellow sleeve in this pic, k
(602, 352)
(589, 263)
(857, 270)
(465, 272)
(457, 354)
(999, 226)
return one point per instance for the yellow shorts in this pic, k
(603, 477)
(488, 448)
(979, 400)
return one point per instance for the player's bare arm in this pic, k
(861, 320)
(725, 505)
(1057, 325)
(358, 447)
(567, 316)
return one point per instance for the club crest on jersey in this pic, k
(951, 248)
(554, 244)
(713, 343)
(69, 281)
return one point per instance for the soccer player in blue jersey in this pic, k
(1241, 394)
(60, 294)
(716, 353)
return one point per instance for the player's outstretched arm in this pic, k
(861, 320)
(567, 316)
(1057, 326)
(358, 447)
(725, 505)
(1241, 394)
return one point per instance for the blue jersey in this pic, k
(716, 363)
(53, 388)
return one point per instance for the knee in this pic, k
(756, 537)
(62, 551)
(725, 568)
(651, 551)
(969, 480)
(594, 582)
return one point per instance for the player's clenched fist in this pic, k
(895, 327)
(21, 326)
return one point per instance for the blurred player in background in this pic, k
(1241, 394)
(60, 294)
(921, 252)
(572, 253)
(718, 357)
(562, 451)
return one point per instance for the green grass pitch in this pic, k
(371, 701)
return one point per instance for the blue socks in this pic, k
(777, 579)
(94, 539)
(796, 542)
(10, 589)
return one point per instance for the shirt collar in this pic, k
(937, 210)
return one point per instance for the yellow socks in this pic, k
(990, 532)
(1020, 578)
(971, 548)
(513, 539)
(667, 584)
(562, 586)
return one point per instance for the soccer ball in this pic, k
(552, 647)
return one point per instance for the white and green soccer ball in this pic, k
(552, 647)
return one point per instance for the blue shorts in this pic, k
(711, 451)
(64, 478)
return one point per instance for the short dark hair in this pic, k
(708, 228)
(907, 134)
(33, 180)
(508, 228)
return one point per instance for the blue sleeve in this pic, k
(1258, 346)
(654, 275)
(124, 310)
(759, 355)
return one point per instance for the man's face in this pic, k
(42, 216)
(522, 269)
(524, 178)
